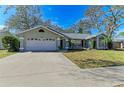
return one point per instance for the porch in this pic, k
(67, 44)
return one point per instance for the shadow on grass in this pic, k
(76, 50)
(93, 63)
(119, 49)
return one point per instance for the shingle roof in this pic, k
(91, 36)
(118, 38)
(68, 35)
(76, 35)
(43, 27)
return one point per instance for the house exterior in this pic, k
(118, 42)
(43, 38)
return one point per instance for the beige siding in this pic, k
(35, 34)
(116, 45)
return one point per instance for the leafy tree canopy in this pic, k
(121, 34)
(25, 17)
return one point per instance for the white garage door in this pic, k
(33, 44)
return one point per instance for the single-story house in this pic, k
(118, 42)
(43, 38)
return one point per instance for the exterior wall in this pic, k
(66, 41)
(116, 45)
(100, 43)
(36, 34)
(76, 44)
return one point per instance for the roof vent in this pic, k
(41, 30)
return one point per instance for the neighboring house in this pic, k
(2, 34)
(118, 42)
(43, 38)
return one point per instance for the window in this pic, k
(41, 30)
(50, 39)
(31, 38)
(53, 39)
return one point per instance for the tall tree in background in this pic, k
(121, 34)
(95, 15)
(106, 19)
(84, 26)
(72, 29)
(25, 17)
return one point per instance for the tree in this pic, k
(72, 29)
(84, 26)
(11, 43)
(47, 23)
(25, 17)
(106, 19)
(121, 34)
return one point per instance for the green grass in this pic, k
(4, 53)
(96, 58)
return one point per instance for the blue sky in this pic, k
(64, 16)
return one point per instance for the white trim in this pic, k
(21, 48)
(40, 27)
(21, 38)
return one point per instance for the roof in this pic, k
(91, 36)
(43, 27)
(118, 39)
(2, 31)
(76, 35)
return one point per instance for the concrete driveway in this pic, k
(53, 69)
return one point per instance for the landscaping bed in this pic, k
(96, 58)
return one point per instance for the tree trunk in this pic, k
(110, 45)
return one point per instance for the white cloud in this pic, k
(2, 26)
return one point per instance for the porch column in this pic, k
(21, 44)
(97, 42)
(66, 44)
(58, 43)
(121, 44)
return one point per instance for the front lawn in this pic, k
(96, 58)
(4, 53)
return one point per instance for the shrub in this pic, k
(91, 44)
(11, 43)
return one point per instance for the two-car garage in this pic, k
(39, 39)
(39, 44)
